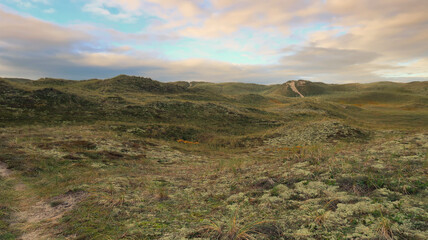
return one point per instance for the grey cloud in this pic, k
(327, 59)
(30, 33)
(82, 52)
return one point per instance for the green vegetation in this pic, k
(133, 158)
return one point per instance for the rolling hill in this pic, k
(134, 158)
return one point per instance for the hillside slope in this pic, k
(134, 158)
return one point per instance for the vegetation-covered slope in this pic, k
(134, 158)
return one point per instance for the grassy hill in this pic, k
(134, 158)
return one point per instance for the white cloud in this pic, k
(353, 41)
(49, 10)
(30, 3)
(30, 33)
(101, 7)
(129, 10)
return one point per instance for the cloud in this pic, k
(330, 41)
(416, 68)
(72, 52)
(129, 10)
(26, 33)
(227, 17)
(394, 28)
(328, 59)
(49, 10)
(30, 3)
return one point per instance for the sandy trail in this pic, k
(4, 172)
(35, 217)
(294, 89)
(44, 213)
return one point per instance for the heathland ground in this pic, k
(134, 158)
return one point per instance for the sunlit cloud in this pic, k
(219, 40)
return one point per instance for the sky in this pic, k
(254, 41)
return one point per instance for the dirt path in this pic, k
(4, 172)
(294, 89)
(34, 217)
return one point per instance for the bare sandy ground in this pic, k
(4, 172)
(294, 89)
(35, 217)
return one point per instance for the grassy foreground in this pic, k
(132, 158)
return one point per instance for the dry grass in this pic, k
(384, 229)
(233, 230)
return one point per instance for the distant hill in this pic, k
(232, 88)
(200, 110)
(17, 80)
(123, 83)
(414, 94)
